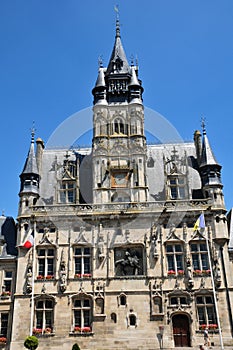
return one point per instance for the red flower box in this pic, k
(171, 272)
(77, 329)
(86, 329)
(49, 277)
(202, 326)
(40, 277)
(37, 331)
(3, 340)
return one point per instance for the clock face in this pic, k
(119, 179)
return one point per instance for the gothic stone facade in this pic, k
(116, 262)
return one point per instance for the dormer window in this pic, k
(176, 187)
(67, 192)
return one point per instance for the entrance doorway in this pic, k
(181, 331)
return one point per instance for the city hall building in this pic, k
(124, 245)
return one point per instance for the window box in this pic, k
(213, 326)
(206, 272)
(180, 272)
(171, 272)
(197, 272)
(47, 330)
(84, 331)
(49, 277)
(40, 277)
(5, 295)
(78, 329)
(3, 340)
(37, 331)
(85, 275)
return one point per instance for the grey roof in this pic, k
(134, 79)
(100, 82)
(30, 166)
(118, 54)
(207, 155)
(52, 169)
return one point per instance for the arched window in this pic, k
(123, 300)
(99, 306)
(119, 126)
(157, 305)
(114, 317)
(132, 320)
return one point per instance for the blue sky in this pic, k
(49, 61)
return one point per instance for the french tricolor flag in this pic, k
(30, 241)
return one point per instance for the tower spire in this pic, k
(118, 34)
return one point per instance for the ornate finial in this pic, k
(100, 61)
(203, 125)
(132, 60)
(116, 8)
(33, 131)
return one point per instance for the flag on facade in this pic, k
(200, 223)
(30, 241)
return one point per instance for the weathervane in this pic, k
(116, 9)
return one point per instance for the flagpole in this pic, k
(214, 291)
(33, 277)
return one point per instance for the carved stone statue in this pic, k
(129, 265)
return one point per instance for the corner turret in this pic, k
(29, 179)
(210, 172)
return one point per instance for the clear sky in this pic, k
(49, 62)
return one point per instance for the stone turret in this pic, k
(29, 180)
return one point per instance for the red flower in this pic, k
(86, 329)
(37, 330)
(49, 277)
(40, 277)
(77, 329)
(3, 340)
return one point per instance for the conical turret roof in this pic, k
(118, 62)
(30, 166)
(207, 155)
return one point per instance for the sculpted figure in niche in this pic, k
(129, 265)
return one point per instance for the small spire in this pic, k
(116, 8)
(203, 125)
(100, 61)
(33, 131)
(132, 60)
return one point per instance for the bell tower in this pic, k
(119, 142)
